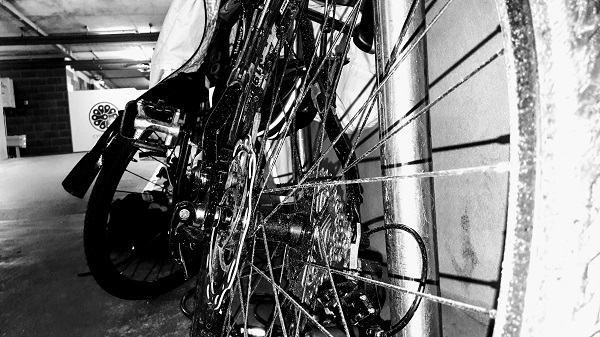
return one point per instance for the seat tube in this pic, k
(407, 201)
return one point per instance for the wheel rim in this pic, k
(285, 300)
(139, 219)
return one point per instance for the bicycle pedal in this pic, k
(141, 116)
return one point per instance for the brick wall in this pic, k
(45, 117)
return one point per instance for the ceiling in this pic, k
(109, 39)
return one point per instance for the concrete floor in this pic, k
(41, 255)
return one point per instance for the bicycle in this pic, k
(299, 243)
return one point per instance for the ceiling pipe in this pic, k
(77, 39)
(25, 20)
(106, 64)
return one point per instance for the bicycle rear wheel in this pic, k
(313, 283)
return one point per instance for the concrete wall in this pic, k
(42, 110)
(470, 209)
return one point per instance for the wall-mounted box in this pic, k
(7, 93)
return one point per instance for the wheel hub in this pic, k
(330, 240)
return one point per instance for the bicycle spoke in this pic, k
(501, 167)
(409, 119)
(128, 192)
(162, 263)
(277, 304)
(150, 271)
(380, 83)
(134, 254)
(272, 323)
(376, 91)
(249, 291)
(396, 129)
(118, 257)
(158, 160)
(467, 55)
(276, 99)
(394, 54)
(252, 287)
(145, 179)
(279, 290)
(335, 292)
(306, 87)
(173, 264)
(229, 321)
(243, 307)
(409, 19)
(139, 261)
(491, 313)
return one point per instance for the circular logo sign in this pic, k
(102, 114)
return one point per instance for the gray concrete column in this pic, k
(407, 201)
(3, 147)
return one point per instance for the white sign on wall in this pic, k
(91, 112)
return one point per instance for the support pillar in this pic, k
(407, 201)
(3, 147)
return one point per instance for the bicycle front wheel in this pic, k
(127, 223)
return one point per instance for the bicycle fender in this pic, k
(79, 180)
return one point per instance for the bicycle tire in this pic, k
(548, 270)
(110, 246)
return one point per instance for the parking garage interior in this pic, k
(57, 56)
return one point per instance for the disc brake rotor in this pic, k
(233, 220)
